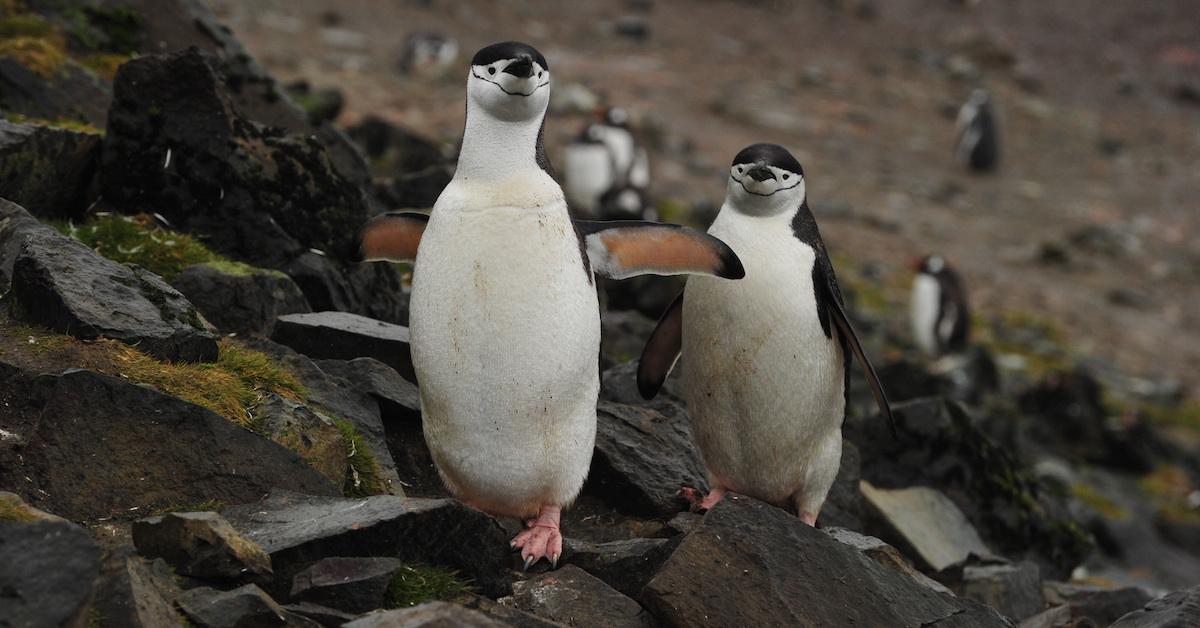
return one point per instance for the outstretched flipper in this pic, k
(829, 300)
(625, 248)
(393, 236)
(662, 350)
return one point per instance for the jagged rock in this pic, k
(136, 593)
(1180, 609)
(297, 530)
(885, 555)
(375, 290)
(624, 565)
(1099, 605)
(16, 225)
(74, 94)
(306, 432)
(1069, 412)
(751, 564)
(240, 299)
(1015, 590)
(417, 190)
(684, 522)
(338, 397)
(177, 144)
(504, 613)
(244, 607)
(59, 283)
(642, 458)
(939, 445)
(328, 617)
(571, 596)
(47, 573)
(97, 446)
(345, 336)
(430, 614)
(201, 545)
(13, 508)
(49, 170)
(398, 398)
(926, 521)
(354, 585)
(321, 105)
(394, 150)
(1056, 617)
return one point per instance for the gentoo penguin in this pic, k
(977, 143)
(504, 317)
(938, 308)
(766, 359)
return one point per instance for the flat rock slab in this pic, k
(927, 521)
(240, 299)
(59, 283)
(1015, 590)
(751, 564)
(1099, 605)
(298, 530)
(398, 398)
(137, 593)
(48, 169)
(47, 573)
(572, 596)
(428, 615)
(885, 555)
(1179, 609)
(345, 336)
(625, 565)
(201, 545)
(100, 446)
(246, 606)
(355, 585)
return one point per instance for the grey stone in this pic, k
(245, 607)
(1099, 605)
(345, 336)
(354, 585)
(571, 596)
(397, 397)
(305, 431)
(201, 545)
(50, 171)
(928, 522)
(625, 565)
(136, 593)
(328, 617)
(1013, 589)
(427, 615)
(47, 573)
(1179, 609)
(885, 555)
(242, 299)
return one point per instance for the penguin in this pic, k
(427, 53)
(938, 308)
(977, 143)
(767, 364)
(588, 170)
(504, 317)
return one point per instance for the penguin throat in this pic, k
(495, 149)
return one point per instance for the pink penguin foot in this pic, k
(542, 538)
(705, 503)
(809, 518)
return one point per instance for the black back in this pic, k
(508, 50)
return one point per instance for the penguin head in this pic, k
(510, 81)
(930, 264)
(765, 180)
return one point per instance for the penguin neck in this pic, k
(496, 150)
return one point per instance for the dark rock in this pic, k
(619, 384)
(201, 545)
(940, 446)
(338, 397)
(625, 565)
(398, 398)
(245, 607)
(1099, 605)
(297, 530)
(16, 225)
(925, 522)
(98, 446)
(47, 573)
(15, 509)
(1180, 609)
(328, 617)
(885, 555)
(59, 283)
(415, 190)
(354, 585)
(240, 299)
(430, 614)
(177, 144)
(1015, 590)
(345, 336)
(623, 334)
(648, 294)
(642, 458)
(634, 27)
(375, 290)
(504, 613)
(395, 151)
(49, 170)
(321, 105)
(571, 596)
(751, 564)
(136, 593)
(309, 433)
(74, 94)
(1056, 617)
(905, 380)
(684, 522)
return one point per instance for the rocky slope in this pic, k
(207, 414)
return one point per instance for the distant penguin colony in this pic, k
(977, 141)
(766, 359)
(938, 308)
(504, 314)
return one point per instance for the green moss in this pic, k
(44, 56)
(1169, 488)
(238, 269)
(671, 210)
(419, 583)
(13, 513)
(112, 29)
(25, 25)
(363, 477)
(1185, 414)
(1039, 342)
(138, 240)
(212, 505)
(70, 124)
(104, 64)
(1107, 508)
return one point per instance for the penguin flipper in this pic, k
(838, 315)
(662, 350)
(393, 236)
(619, 249)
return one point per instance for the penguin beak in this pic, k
(521, 68)
(761, 173)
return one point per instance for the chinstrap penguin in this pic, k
(607, 173)
(977, 133)
(766, 359)
(938, 308)
(504, 316)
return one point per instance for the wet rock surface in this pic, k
(47, 573)
(344, 336)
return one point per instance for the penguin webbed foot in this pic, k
(699, 503)
(541, 538)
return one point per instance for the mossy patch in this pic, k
(1038, 342)
(1185, 414)
(139, 240)
(13, 513)
(418, 583)
(104, 64)
(113, 29)
(212, 505)
(19, 24)
(43, 56)
(1170, 489)
(364, 477)
(1107, 508)
(70, 124)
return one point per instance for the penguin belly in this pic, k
(505, 330)
(764, 385)
(925, 302)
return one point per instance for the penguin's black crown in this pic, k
(509, 50)
(770, 154)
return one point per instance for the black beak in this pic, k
(522, 67)
(761, 173)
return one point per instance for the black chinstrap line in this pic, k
(799, 180)
(522, 95)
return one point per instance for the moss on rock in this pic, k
(138, 240)
(418, 583)
(364, 477)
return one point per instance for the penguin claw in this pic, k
(529, 560)
(541, 538)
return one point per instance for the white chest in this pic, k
(924, 305)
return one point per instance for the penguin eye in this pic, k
(786, 177)
(491, 70)
(539, 74)
(738, 169)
